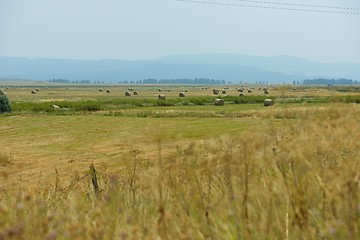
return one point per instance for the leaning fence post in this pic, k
(94, 179)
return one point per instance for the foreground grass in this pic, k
(290, 177)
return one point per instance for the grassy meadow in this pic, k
(180, 168)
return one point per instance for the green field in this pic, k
(180, 168)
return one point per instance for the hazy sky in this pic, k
(145, 29)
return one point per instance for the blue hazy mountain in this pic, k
(282, 64)
(229, 67)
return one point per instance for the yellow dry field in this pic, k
(40, 144)
(37, 145)
(239, 171)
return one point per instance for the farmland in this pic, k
(180, 168)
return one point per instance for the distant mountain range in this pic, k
(228, 67)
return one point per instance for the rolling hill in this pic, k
(229, 67)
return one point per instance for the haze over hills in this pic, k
(228, 67)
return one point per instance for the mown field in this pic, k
(180, 168)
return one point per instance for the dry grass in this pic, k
(297, 180)
(5, 159)
(290, 171)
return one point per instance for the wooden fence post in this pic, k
(94, 179)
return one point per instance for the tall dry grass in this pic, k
(297, 180)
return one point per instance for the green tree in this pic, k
(5, 105)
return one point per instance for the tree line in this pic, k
(181, 81)
(327, 81)
(60, 80)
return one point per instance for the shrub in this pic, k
(5, 105)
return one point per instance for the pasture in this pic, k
(180, 168)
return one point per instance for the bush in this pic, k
(5, 105)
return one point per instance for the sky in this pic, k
(148, 29)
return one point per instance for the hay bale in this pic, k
(135, 93)
(266, 92)
(127, 94)
(2, 92)
(38, 90)
(240, 90)
(108, 91)
(55, 107)
(268, 102)
(181, 94)
(223, 92)
(33, 92)
(241, 94)
(249, 91)
(100, 90)
(161, 96)
(219, 102)
(215, 91)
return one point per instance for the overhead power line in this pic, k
(299, 5)
(317, 9)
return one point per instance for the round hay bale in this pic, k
(266, 92)
(249, 91)
(127, 94)
(268, 102)
(223, 92)
(241, 94)
(135, 93)
(108, 91)
(37, 89)
(215, 92)
(33, 92)
(240, 90)
(181, 94)
(55, 107)
(219, 102)
(100, 90)
(161, 96)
